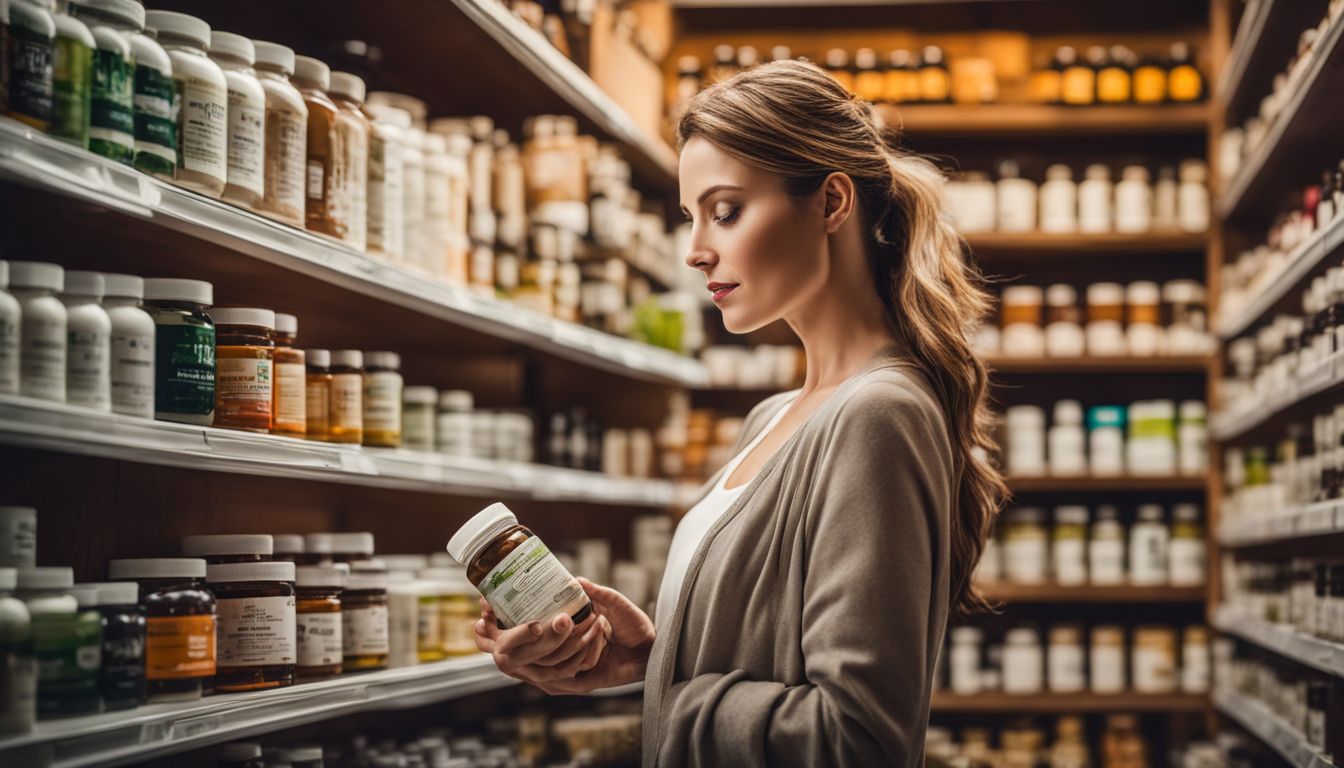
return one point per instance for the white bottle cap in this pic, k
(1143, 292)
(318, 358)
(382, 360)
(157, 568)
(287, 543)
(1059, 172)
(228, 544)
(1018, 295)
(1135, 173)
(179, 25)
(228, 573)
(308, 68)
(123, 286)
(286, 324)
(36, 274)
(416, 108)
(350, 358)
(471, 538)
(393, 116)
(274, 55)
(1068, 413)
(420, 395)
(347, 86)
(305, 752)
(1150, 513)
(86, 284)
(317, 543)
(321, 576)
(1105, 293)
(86, 595)
(263, 318)
(1098, 172)
(237, 46)
(456, 400)
(366, 580)
(127, 11)
(1071, 514)
(112, 593)
(175, 289)
(46, 578)
(358, 543)
(1061, 295)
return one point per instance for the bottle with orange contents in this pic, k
(180, 624)
(288, 412)
(345, 423)
(244, 351)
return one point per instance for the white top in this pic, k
(702, 517)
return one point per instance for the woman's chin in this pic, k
(739, 323)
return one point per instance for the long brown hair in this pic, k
(791, 119)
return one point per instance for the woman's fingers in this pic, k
(577, 643)
(524, 645)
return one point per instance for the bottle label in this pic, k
(43, 356)
(364, 631)
(1107, 562)
(184, 369)
(247, 155)
(256, 631)
(243, 387)
(72, 75)
(382, 402)
(529, 584)
(111, 120)
(317, 407)
(9, 355)
(316, 174)
(290, 387)
(133, 375)
(123, 673)
(458, 623)
(155, 129)
(319, 636)
(88, 379)
(202, 126)
(179, 647)
(428, 625)
(347, 398)
(30, 75)
(287, 145)
(1186, 559)
(1148, 554)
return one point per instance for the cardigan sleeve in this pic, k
(876, 523)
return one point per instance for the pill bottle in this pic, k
(1068, 545)
(1095, 203)
(112, 85)
(491, 545)
(382, 399)
(179, 624)
(289, 409)
(18, 537)
(345, 424)
(88, 372)
(246, 163)
(352, 139)
(1023, 335)
(121, 680)
(32, 42)
(1016, 199)
(1106, 549)
(417, 417)
(1154, 661)
(1105, 320)
(9, 335)
(286, 139)
(402, 613)
(1193, 196)
(42, 329)
(964, 660)
(385, 186)
(257, 644)
(1186, 550)
(459, 608)
(217, 549)
(351, 547)
(1066, 660)
(1195, 660)
(317, 394)
(71, 80)
(1059, 200)
(318, 594)
(1149, 540)
(67, 641)
(1133, 201)
(184, 349)
(364, 628)
(244, 352)
(1106, 664)
(322, 209)
(202, 99)
(1144, 334)
(1064, 336)
(1023, 661)
(1106, 440)
(287, 547)
(18, 667)
(454, 424)
(132, 346)
(1026, 546)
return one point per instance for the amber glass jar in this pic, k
(288, 407)
(179, 625)
(345, 424)
(257, 646)
(317, 398)
(323, 207)
(244, 348)
(234, 548)
(318, 591)
(364, 637)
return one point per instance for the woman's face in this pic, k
(762, 250)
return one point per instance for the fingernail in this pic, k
(561, 623)
(535, 628)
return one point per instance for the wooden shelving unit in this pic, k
(1099, 365)
(1067, 703)
(1105, 484)
(1003, 121)
(1082, 246)
(1017, 594)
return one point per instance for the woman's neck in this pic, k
(841, 329)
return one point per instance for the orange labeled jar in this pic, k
(364, 631)
(514, 570)
(345, 420)
(318, 590)
(288, 407)
(244, 348)
(317, 395)
(180, 624)
(230, 548)
(256, 641)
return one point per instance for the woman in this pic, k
(807, 593)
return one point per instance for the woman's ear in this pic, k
(839, 195)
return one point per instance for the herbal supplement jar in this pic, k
(352, 139)
(351, 547)
(244, 184)
(1154, 664)
(1193, 196)
(1195, 660)
(417, 417)
(31, 44)
(67, 641)
(71, 80)
(494, 548)
(316, 549)
(364, 630)
(202, 99)
(1186, 549)
(459, 609)
(1059, 200)
(184, 349)
(218, 549)
(1026, 437)
(345, 423)
(1066, 660)
(179, 624)
(322, 207)
(1022, 327)
(121, 680)
(243, 356)
(1064, 335)
(414, 202)
(1016, 199)
(1095, 199)
(454, 423)
(317, 394)
(1067, 440)
(1023, 661)
(132, 346)
(18, 667)
(112, 85)
(1107, 659)
(88, 372)
(18, 537)
(382, 399)
(9, 335)
(1106, 549)
(289, 406)
(1106, 440)
(284, 175)
(318, 595)
(1068, 546)
(1165, 199)
(1192, 435)
(288, 547)
(1144, 334)
(42, 329)
(1105, 320)
(964, 660)
(257, 645)
(1148, 545)
(1025, 546)
(403, 594)
(385, 187)
(1133, 200)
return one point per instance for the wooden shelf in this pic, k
(1055, 593)
(1052, 703)
(1082, 245)
(1099, 365)
(1019, 120)
(1103, 484)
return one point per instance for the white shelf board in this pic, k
(1297, 522)
(1301, 262)
(36, 424)
(1244, 42)
(29, 158)
(1228, 425)
(1283, 640)
(1267, 726)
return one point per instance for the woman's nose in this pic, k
(700, 258)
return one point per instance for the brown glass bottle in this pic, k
(179, 625)
(322, 208)
(364, 640)
(288, 406)
(345, 424)
(318, 592)
(256, 611)
(317, 398)
(244, 348)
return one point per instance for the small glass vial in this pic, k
(317, 394)
(257, 644)
(454, 432)
(1148, 544)
(217, 549)
(418, 417)
(345, 424)
(121, 679)
(42, 329)
(1133, 201)
(67, 641)
(244, 351)
(382, 399)
(1059, 200)
(490, 544)
(286, 140)
(288, 406)
(132, 346)
(351, 547)
(1023, 661)
(1107, 662)
(364, 628)
(1186, 550)
(179, 624)
(319, 619)
(1106, 549)
(1095, 199)
(203, 98)
(235, 55)
(18, 667)
(88, 370)
(1066, 660)
(184, 349)
(1068, 546)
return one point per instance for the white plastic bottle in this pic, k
(1193, 196)
(385, 227)
(202, 99)
(132, 346)
(1133, 201)
(88, 367)
(286, 134)
(1095, 199)
(235, 55)
(1016, 199)
(1068, 441)
(1149, 539)
(1059, 200)
(10, 317)
(112, 113)
(42, 343)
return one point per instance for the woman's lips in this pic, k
(720, 291)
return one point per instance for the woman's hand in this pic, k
(559, 658)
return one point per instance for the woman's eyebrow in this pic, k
(712, 190)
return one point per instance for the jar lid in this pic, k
(262, 318)
(81, 283)
(274, 55)
(456, 400)
(366, 580)
(86, 595)
(1135, 173)
(1021, 636)
(1068, 413)
(389, 115)
(1072, 514)
(321, 576)
(1098, 172)
(415, 108)
(9, 578)
(1142, 292)
(317, 543)
(179, 25)
(1059, 172)
(175, 289)
(229, 44)
(1105, 416)
(472, 537)
(305, 752)
(437, 144)
(241, 750)
(1025, 417)
(350, 358)
(286, 323)
(420, 395)
(123, 286)
(228, 544)
(318, 358)
(382, 360)
(1194, 171)
(287, 543)
(46, 578)
(1108, 632)
(348, 85)
(1065, 634)
(412, 563)
(1185, 513)
(359, 543)
(157, 568)
(1026, 515)
(368, 565)
(128, 11)
(1107, 513)
(1016, 295)
(1193, 410)
(111, 593)
(1105, 293)
(969, 635)
(1150, 513)
(228, 573)
(36, 274)
(1061, 295)
(1182, 291)
(308, 68)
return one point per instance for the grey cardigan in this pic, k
(811, 617)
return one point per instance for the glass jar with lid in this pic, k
(244, 351)
(257, 644)
(184, 344)
(179, 624)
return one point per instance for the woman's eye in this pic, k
(726, 214)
